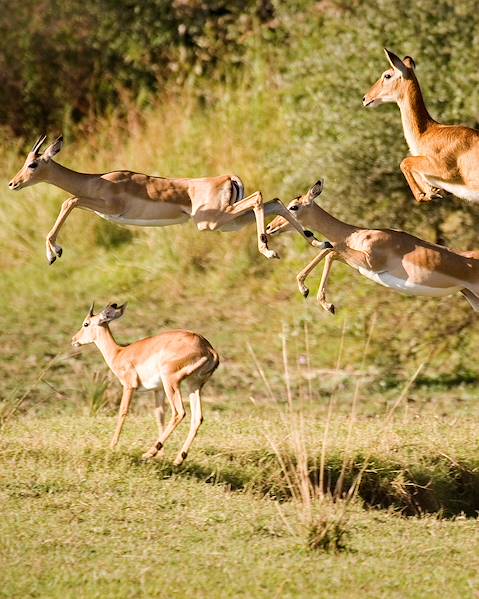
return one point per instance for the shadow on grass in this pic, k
(441, 486)
(435, 483)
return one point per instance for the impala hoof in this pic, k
(59, 252)
(51, 260)
(305, 292)
(271, 254)
(148, 455)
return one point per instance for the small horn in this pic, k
(92, 307)
(39, 143)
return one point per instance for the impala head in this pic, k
(390, 87)
(33, 170)
(300, 207)
(89, 330)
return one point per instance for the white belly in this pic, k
(149, 373)
(460, 191)
(154, 222)
(405, 286)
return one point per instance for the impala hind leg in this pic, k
(254, 202)
(196, 420)
(160, 413)
(173, 394)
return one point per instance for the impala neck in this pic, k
(414, 115)
(106, 344)
(333, 229)
(68, 180)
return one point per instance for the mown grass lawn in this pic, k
(81, 521)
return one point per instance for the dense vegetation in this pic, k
(267, 90)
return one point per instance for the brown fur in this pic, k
(126, 197)
(445, 157)
(404, 256)
(168, 359)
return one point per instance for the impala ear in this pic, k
(111, 312)
(315, 191)
(53, 149)
(409, 62)
(397, 63)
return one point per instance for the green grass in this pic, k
(78, 518)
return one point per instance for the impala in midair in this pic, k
(164, 361)
(444, 157)
(394, 259)
(129, 198)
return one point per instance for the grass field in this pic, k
(79, 520)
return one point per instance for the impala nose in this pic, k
(364, 99)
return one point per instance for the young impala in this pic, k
(391, 258)
(128, 198)
(444, 157)
(167, 360)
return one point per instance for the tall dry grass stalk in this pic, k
(322, 511)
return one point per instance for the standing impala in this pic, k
(129, 198)
(391, 258)
(444, 157)
(167, 360)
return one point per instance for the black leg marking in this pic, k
(264, 238)
(308, 233)
(159, 445)
(184, 454)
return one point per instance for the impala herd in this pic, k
(444, 158)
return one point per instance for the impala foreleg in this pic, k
(301, 276)
(415, 169)
(123, 413)
(321, 296)
(55, 251)
(173, 395)
(196, 420)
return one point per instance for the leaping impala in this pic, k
(167, 360)
(391, 258)
(128, 198)
(444, 157)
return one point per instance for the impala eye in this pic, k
(294, 207)
(33, 165)
(387, 76)
(85, 324)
